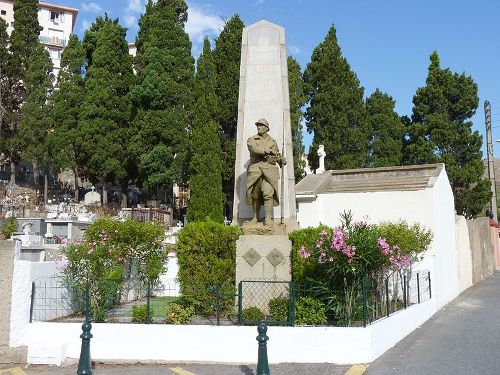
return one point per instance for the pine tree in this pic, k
(441, 132)
(162, 97)
(388, 130)
(336, 113)
(65, 104)
(205, 182)
(35, 126)
(103, 126)
(298, 99)
(227, 56)
(23, 40)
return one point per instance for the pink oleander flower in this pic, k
(349, 252)
(323, 233)
(385, 249)
(303, 253)
(322, 257)
(90, 251)
(339, 239)
(319, 243)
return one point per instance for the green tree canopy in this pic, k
(65, 105)
(440, 132)
(162, 96)
(35, 125)
(388, 130)
(34, 128)
(227, 54)
(103, 127)
(4, 55)
(298, 99)
(336, 113)
(23, 40)
(205, 183)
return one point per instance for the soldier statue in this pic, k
(263, 173)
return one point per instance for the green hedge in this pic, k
(206, 252)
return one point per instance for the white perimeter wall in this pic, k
(25, 273)
(433, 208)
(52, 343)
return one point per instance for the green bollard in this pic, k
(85, 363)
(262, 364)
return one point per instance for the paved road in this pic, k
(463, 338)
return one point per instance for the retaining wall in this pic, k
(482, 250)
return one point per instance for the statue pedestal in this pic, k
(263, 258)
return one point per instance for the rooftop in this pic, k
(405, 178)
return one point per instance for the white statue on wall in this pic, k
(321, 155)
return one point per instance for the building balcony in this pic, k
(53, 40)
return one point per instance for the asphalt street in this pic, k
(463, 338)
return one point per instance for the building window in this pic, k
(56, 17)
(55, 54)
(3, 12)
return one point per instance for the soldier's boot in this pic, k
(268, 210)
(255, 207)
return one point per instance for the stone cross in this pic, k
(321, 155)
(263, 93)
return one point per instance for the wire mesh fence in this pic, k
(265, 300)
(54, 299)
(252, 301)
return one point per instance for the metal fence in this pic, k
(52, 299)
(274, 302)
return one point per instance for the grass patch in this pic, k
(157, 304)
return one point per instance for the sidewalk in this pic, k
(182, 369)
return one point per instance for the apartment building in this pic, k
(57, 22)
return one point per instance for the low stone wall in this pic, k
(482, 249)
(463, 247)
(7, 354)
(7, 252)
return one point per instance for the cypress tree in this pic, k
(103, 126)
(205, 182)
(4, 55)
(441, 132)
(388, 130)
(227, 56)
(35, 125)
(336, 113)
(23, 40)
(298, 99)
(65, 104)
(162, 97)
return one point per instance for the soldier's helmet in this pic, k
(264, 122)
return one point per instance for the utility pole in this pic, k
(491, 167)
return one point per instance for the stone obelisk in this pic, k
(263, 93)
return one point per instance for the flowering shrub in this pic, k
(355, 249)
(110, 252)
(332, 262)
